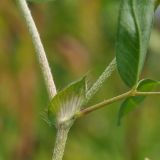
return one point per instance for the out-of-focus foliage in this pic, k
(78, 35)
(39, 1)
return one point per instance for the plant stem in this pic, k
(39, 48)
(62, 132)
(102, 104)
(98, 84)
(61, 138)
(147, 93)
(132, 93)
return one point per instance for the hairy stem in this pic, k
(61, 138)
(62, 132)
(39, 48)
(98, 84)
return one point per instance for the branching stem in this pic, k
(62, 131)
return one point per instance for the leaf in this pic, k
(157, 2)
(134, 28)
(67, 102)
(131, 103)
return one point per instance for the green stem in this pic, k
(147, 93)
(61, 138)
(132, 92)
(102, 104)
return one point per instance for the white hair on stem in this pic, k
(39, 48)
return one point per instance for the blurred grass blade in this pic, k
(131, 103)
(67, 102)
(39, 1)
(134, 28)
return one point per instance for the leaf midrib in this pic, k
(137, 25)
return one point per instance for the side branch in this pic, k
(39, 48)
(147, 93)
(98, 84)
(100, 105)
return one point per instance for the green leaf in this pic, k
(134, 28)
(67, 102)
(157, 2)
(131, 103)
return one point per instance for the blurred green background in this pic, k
(79, 36)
